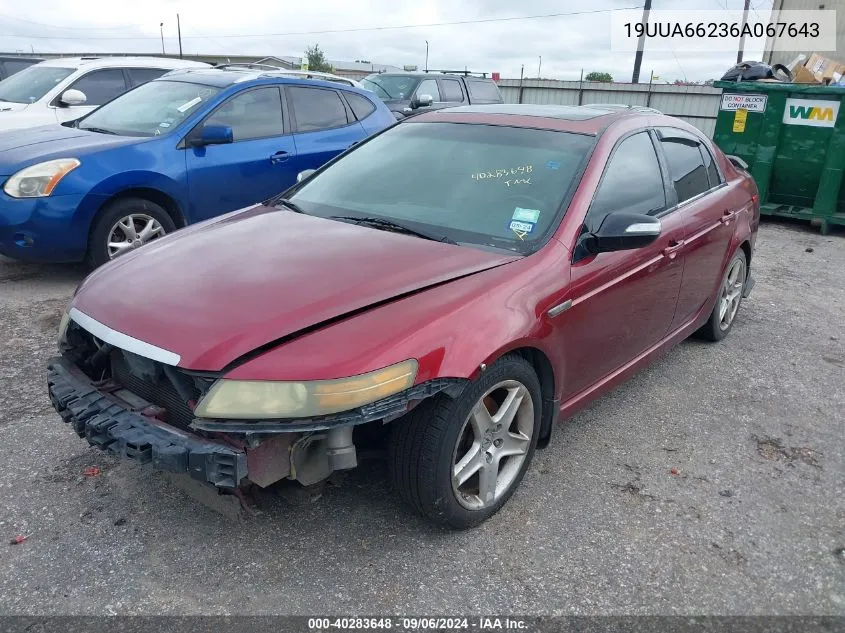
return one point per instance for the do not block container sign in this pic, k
(793, 138)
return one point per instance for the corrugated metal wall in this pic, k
(698, 105)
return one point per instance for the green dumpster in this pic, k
(793, 138)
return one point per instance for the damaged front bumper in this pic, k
(111, 425)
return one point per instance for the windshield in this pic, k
(151, 109)
(391, 86)
(501, 187)
(32, 83)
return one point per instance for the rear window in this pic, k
(316, 108)
(483, 91)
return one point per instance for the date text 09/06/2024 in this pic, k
(478, 623)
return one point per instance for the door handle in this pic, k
(727, 216)
(672, 250)
(279, 157)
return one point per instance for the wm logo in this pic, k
(811, 113)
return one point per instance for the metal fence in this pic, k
(698, 105)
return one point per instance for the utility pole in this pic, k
(742, 34)
(540, 67)
(161, 30)
(426, 56)
(179, 31)
(638, 57)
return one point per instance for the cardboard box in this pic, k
(817, 70)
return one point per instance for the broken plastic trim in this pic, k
(391, 406)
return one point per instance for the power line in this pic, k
(329, 31)
(64, 26)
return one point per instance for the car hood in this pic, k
(216, 292)
(19, 148)
(10, 106)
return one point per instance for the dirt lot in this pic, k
(713, 482)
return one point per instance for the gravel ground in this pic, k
(711, 483)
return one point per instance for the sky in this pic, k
(554, 47)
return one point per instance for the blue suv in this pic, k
(180, 149)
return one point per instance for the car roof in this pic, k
(121, 62)
(579, 119)
(235, 74)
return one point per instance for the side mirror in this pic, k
(304, 174)
(215, 135)
(624, 231)
(73, 97)
(422, 101)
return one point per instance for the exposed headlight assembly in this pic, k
(258, 399)
(39, 181)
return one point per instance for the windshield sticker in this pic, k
(521, 227)
(501, 173)
(518, 181)
(190, 104)
(526, 215)
(553, 164)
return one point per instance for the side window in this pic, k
(316, 108)
(710, 164)
(361, 106)
(451, 90)
(101, 86)
(632, 182)
(483, 91)
(138, 76)
(251, 114)
(429, 87)
(686, 167)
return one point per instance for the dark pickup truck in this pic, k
(410, 93)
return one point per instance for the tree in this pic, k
(596, 76)
(317, 59)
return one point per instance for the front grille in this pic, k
(160, 393)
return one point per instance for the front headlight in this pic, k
(38, 181)
(257, 399)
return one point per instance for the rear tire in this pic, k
(457, 463)
(728, 300)
(124, 221)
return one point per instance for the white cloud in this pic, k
(566, 44)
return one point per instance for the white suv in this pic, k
(64, 89)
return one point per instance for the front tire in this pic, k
(728, 300)
(457, 461)
(124, 225)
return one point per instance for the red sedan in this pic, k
(459, 282)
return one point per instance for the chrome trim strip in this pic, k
(644, 228)
(123, 341)
(559, 308)
(618, 279)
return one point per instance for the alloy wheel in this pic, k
(492, 445)
(131, 232)
(731, 294)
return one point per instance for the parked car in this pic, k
(541, 257)
(11, 64)
(183, 148)
(407, 94)
(67, 88)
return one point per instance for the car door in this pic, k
(253, 167)
(452, 91)
(98, 86)
(623, 302)
(429, 87)
(704, 205)
(324, 126)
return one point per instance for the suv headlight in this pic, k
(38, 181)
(258, 399)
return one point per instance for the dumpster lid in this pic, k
(770, 86)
